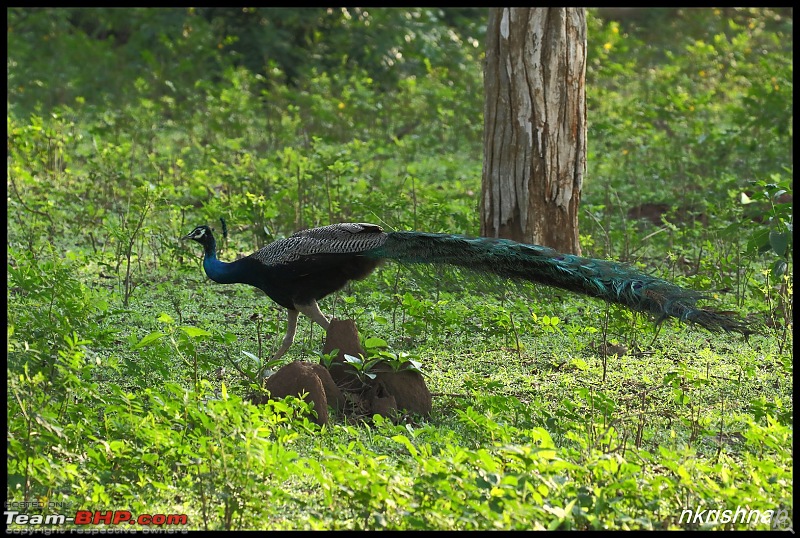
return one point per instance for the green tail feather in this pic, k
(612, 282)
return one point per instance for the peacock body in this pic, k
(298, 271)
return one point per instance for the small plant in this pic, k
(364, 368)
(774, 218)
(326, 359)
(183, 341)
(128, 231)
(377, 348)
(379, 359)
(264, 368)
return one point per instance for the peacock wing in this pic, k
(343, 238)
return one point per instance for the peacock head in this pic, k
(201, 234)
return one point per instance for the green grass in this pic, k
(672, 417)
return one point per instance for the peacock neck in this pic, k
(216, 270)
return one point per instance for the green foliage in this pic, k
(698, 135)
(127, 128)
(775, 235)
(165, 446)
(50, 303)
(378, 359)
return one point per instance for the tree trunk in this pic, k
(534, 125)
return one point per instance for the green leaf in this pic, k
(149, 339)
(489, 464)
(670, 378)
(779, 268)
(403, 440)
(580, 364)
(352, 360)
(373, 342)
(779, 241)
(228, 338)
(248, 354)
(149, 459)
(759, 240)
(194, 332)
(165, 318)
(415, 365)
(680, 397)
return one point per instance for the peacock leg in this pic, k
(291, 329)
(312, 311)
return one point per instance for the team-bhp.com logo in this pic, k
(96, 517)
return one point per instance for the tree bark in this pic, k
(534, 125)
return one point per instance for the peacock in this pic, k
(298, 271)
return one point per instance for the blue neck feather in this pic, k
(216, 270)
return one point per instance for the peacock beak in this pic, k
(185, 237)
